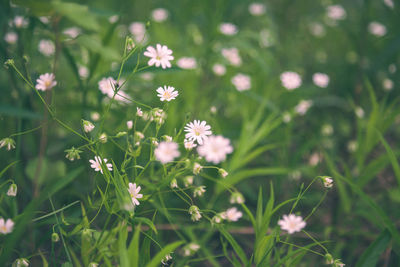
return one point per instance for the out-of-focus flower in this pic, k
(11, 37)
(96, 164)
(189, 145)
(21, 262)
(87, 126)
(113, 18)
(215, 149)
(199, 191)
(188, 180)
(159, 56)
(228, 28)
(6, 227)
(317, 29)
(134, 193)
(129, 124)
(222, 172)
(166, 258)
(336, 12)
(286, 117)
(232, 55)
(232, 214)
(190, 249)
(20, 22)
(139, 112)
(302, 107)
(159, 14)
(103, 138)
(359, 112)
(72, 32)
(377, 29)
(195, 213)
(292, 223)
(352, 146)
(8, 143)
(174, 183)
(12, 190)
(83, 72)
(321, 79)
(327, 129)
(138, 30)
(389, 3)
(46, 82)
(197, 168)
(242, 82)
(314, 159)
(95, 116)
(167, 93)
(257, 9)
(388, 84)
(188, 63)
(47, 47)
(73, 153)
(328, 181)
(166, 152)
(197, 131)
(219, 69)
(236, 198)
(290, 80)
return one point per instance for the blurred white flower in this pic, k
(11, 37)
(314, 159)
(87, 126)
(215, 149)
(46, 47)
(352, 145)
(219, 69)
(236, 198)
(21, 262)
(83, 72)
(303, 106)
(388, 84)
(12, 190)
(174, 183)
(167, 93)
(320, 79)
(199, 191)
(377, 29)
(20, 22)
(129, 124)
(159, 56)
(232, 55)
(147, 76)
(228, 28)
(165, 260)
(195, 212)
(95, 116)
(327, 129)
(138, 30)
(96, 164)
(6, 227)
(139, 112)
(257, 9)
(134, 193)
(166, 152)
(188, 63)
(232, 214)
(188, 180)
(286, 117)
(190, 249)
(189, 145)
(197, 131)
(241, 81)
(290, 80)
(159, 14)
(359, 112)
(197, 168)
(317, 29)
(222, 172)
(213, 109)
(7, 142)
(44, 20)
(292, 223)
(103, 138)
(113, 18)
(45, 82)
(389, 3)
(107, 87)
(336, 12)
(72, 32)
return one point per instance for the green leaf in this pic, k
(146, 221)
(133, 249)
(392, 157)
(155, 262)
(372, 254)
(239, 251)
(94, 44)
(77, 13)
(122, 251)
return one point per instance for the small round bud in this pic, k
(54, 237)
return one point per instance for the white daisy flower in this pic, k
(159, 56)
(159, 14)
(6, 227)
(215, 149)
(292, 223)
(241, 81)
(167, 93)
(232, 214)
(188, 63)
(134, 193)
(47, 47)
(197, 131)
(257, 9)
(96, 164)
(46, 82)
(290, 80)
(228, 28)
(320, 79)
(11, 37)
(166, 152)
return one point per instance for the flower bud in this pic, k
(12, 190)
(9, 143)
(21, 262)
(103, 138)
(174, 183)
(197, 168)
(54, 237)
(73, 153)
(87, 126)
(222, 172)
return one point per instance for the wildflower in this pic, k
(195, 213)
(228, 28)
(328, 181)
(6, 227)
(286, 117)
(232, 214)
(7, 142)
(12, 190)
(20, 22)
(217, 218)
(103, 138)
(222, 172)
(159, 14)
(236, 198)
(321, 79)
(96, 164)
(46, 82)
(315, 158)
(188, 180)
(11, 37)
(167, 93)
(55, 238)
(167, 138)
(199, 191)
(317, 29)
(232, 55)
(134, 193)
(213, 109)
(388, 84)
(139, 112)
(219, 69)
(215, 149)
(147, 76)
(174, 183)
(72, 32)
(138, 30)
(257, 9)
(197, 131)
(190, 249)
(292, 223)
(166, 152)
(159, 56)
(359, 112)
(87, 126)
(352, 146)
(47, 47)
(139, 135)
(377, 29)
(154, 141)
(113, 18)
(389, 3)
(166, 258)
(21, 262)
(95, 116)
(336, 12)
(93, 264)
(120, 134)
(129, 124)
(44, 20)
(83, 72)
(73, 153)
(130, 44)
(241, 81)
(109, 87)
(197, 168)
(290, 80)
(187, 63)
(303, 106)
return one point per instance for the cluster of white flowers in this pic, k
(138, 30)
(160, 14)
(228, 28)
(232, 56)
(290, 80)
(242, 82)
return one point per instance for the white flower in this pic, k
(129, 124)
(6, 227)
(20, 22)
(327, 129)
(134, 193)
(219, 69)
(72, 32)
(195, 212)
(236, 198)
(213, 109)
(11, 37)
(138, 30)
(199, 191)
(228, 28)
(96, 164)
(215, 149)
(328, 181)
(286, 117)
(159, 56)
(174, 183)
(167, 138)
(165, 260)
(389, 3)
(257, 9)
(147, 76)
(388, 84)
(314, 159)
(197, 168)
(83, 72)
(317, 29)
(108, 86)
(377, 29)
(190, 249)
(103, 138)
(22, 262)
(197, 131)
(232, 214)
(223, 173)
(232, 55)
(113, 18)
(12, 190)
(95, 116)
(217, 218)
(290, 80)
(188, 63)
(139, 112)
(188, 180)
(166, 152)
(189, 145)
(320, 79)
(87, 126)
(47, 47)
(44, 19)
(292, 223)
(359, 112)
(46, 82)
(241, 81)
(7, 142)
(303, 106)
(139, 135)
(336, 12)
(159, 14)
(167, 93)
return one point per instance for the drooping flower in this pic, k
(187, 181)
(321, 79)
(47, 47)
(45, 82)
(167, 93)
(222, 172)
(190, 249)
(87, 126)
(188, 63)
(328, 181)
(197, 168)
(159, 56)
(232, 214)
(215, 149)
(292, 223)
(103, 138)
(12, 190)
(166, 152)
(195, 213)
(7, 142)
(197, 131)
(303, 106)
(242, 82)
(257, 9)
(199, 191)
(159, 14)
(236, 198)
(166, 258)
(134, 193)
(290, 80)
(96, 164)
(139, 112)
(73, 153)
(228, 28)
(6, 227)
